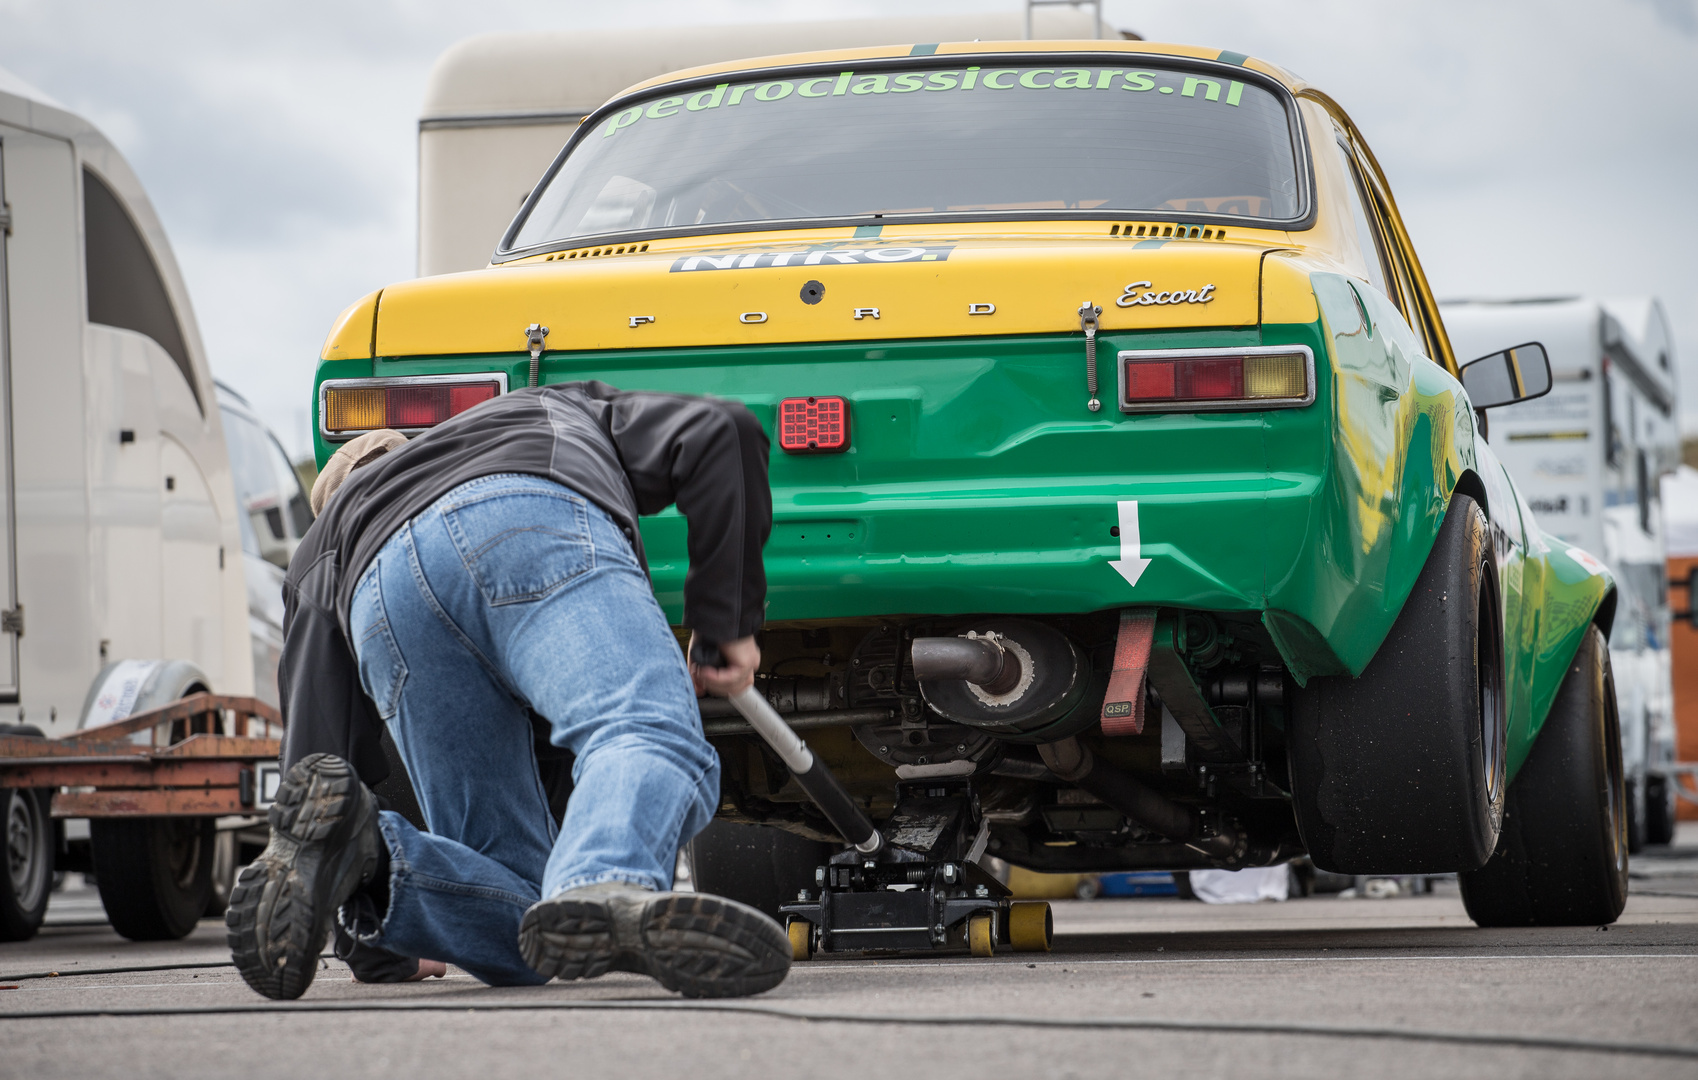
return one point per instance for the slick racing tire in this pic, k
(1401, 771)
(1562, 858)
(756, 865)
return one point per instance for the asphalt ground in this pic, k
(1323, 986)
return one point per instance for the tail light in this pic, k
(1190, 380)
(814, 425)
(349, 407)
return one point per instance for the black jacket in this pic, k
(630, 453)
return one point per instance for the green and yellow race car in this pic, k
(1130, 508)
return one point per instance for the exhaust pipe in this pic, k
(1073, 761)
(982, 661)
(1014, 678)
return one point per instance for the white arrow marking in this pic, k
(1130, 566)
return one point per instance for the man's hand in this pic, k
(741, 658)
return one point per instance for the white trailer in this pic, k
(121, 575)
(1589, 457)
(499, 107)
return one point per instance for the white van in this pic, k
(121, 575)
(273, 514)
(1589, 457)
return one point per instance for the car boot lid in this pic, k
(821, 286)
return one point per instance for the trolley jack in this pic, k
(916, 884)
(923, 889)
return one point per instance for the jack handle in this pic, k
(822, 787)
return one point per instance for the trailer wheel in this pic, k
(226, 853)
(1401, 770)
(1562, 857)
(1659, 809)
(756, 865)
(154, 874)
(28, 877)
(1637, 804)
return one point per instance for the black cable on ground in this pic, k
(73, 972)
(749, 1008)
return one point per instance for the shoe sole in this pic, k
(698, 945)
(280, 909)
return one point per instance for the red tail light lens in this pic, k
(348, 407)
(1215, 378)
(814, 425)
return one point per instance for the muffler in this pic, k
(1015, 679)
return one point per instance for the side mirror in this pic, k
(1504, 378)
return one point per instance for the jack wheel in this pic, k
(801, 939)
(981, 936)
(1030, 926)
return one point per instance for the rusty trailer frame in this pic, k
(186, 766)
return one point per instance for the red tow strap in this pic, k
(1123, 708)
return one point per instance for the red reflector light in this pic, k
(814, 425)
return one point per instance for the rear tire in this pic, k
(1401, 771)
(1562, 858)
(755, 865)
(154, 874)
(26, 878)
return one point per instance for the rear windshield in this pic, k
(969, 142)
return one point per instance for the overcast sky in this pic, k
(1536, 147)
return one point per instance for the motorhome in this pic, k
(121, 579)
(1589, 457)
(499, 107)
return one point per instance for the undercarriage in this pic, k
(1130, 740)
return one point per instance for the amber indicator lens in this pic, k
(813, 425)
(1216, 378)
(368, 408)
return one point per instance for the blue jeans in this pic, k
(511, 591)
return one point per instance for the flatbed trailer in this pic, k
(207, 755)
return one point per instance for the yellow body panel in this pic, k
(352, 334)
(1023, 284)
(1287, 296)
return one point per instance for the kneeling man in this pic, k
(465, 589)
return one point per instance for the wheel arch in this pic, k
(1577, 592)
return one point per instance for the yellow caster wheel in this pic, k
(981, 935)
(801, 939)
(1030, 926)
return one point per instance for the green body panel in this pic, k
(977, 482)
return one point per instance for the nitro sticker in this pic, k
(739, 260)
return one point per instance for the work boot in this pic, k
(325, 843)
(700, 945)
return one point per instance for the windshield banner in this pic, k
(725, 95)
